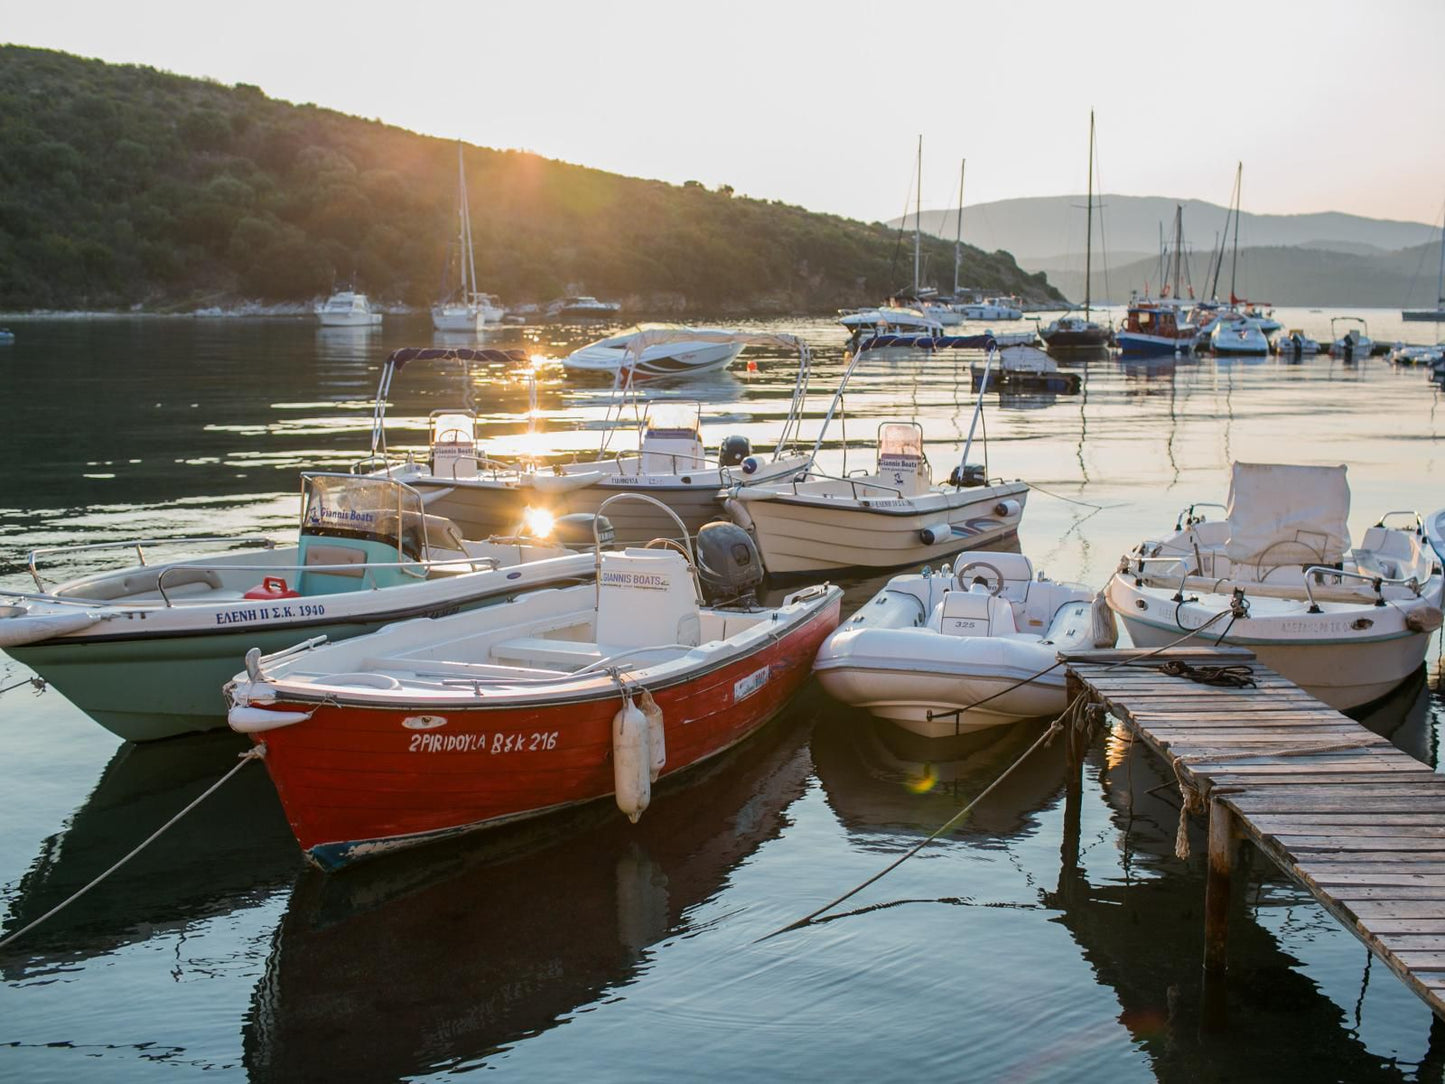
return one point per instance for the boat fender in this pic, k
(1007, 508)
(1106, 629)
(271, 587)
(1424, 619)
(18, 626)
(631, 760)
(656, 737)
(935, 533)
(750, 465)
(739, 513)
(248, 720)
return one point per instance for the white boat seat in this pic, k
(973, 613)
(137, 583)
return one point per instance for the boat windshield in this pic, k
(367, 508)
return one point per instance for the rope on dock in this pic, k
(245, 758)
(1075, 714)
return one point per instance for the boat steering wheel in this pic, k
(973, 568)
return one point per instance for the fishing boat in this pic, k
(429, 729)
(1277, 575)
(1155, 328)
(680, 358)
(891, 516)
(464, 309)
(1237, 335)
(1073, 333)
(347, 308)
(1296, 344)
(145, 649)
(967, 648)
(1353, 344)
(484, 497)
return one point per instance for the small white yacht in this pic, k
(709, 350)
(347, 308)
(1237, 335)
(891, 320)
(583, 308)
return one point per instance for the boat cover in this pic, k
(1281, 514)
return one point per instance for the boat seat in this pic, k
(540, 651)
(973, 613)
(1015, 568)
(137, 583)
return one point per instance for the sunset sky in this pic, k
(1330, 105)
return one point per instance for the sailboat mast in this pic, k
(918, 222)
(464, 230)
(1178, 245)
(1089, 220)
(1234, 260)
(958, 229)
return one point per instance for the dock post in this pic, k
(1222, 834)
(1074, 748)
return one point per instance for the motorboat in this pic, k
(484, 497)
(1353, 344)
(889, 319)
(975, 646)
(1237, 335)
(1155, 328)
(1069, 333)
(683, 357)
(891, 516)
(1432, 356)
(991, 308)
(464, 309)
(583, 308)
(347, 308)
(144, 649)
(1027, 369)
(1296, 344)
(1277, 576)
(428, 729)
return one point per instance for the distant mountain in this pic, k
(124, 186)
(1043, 228)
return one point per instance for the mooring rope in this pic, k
(245, 758)
(38, 682)
(1072, 714)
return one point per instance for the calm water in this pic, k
(586, 948)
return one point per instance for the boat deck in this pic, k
(1357, 822)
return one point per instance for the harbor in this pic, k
(1057, 908)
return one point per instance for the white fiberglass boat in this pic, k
(1277, 576)
(347, 308)
(145, 649)
(890, 517)
(683, 357)
(992, 308)
(972, 647)
(1237, 335)
(890, 320)
(1296, 344)
(1354, 344)
(583, 308)
(464, 309)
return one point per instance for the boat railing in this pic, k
(1374, 580)
(1414, 516)
(1187, 518)
(1314, 577)
(138, 545)
(496, 468)
(814, 476)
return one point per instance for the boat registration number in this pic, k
(497, 743)
(745, 687)
(271, 613)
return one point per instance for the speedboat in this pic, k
(1296, 344)
(1237, 335)
(1076, 333)
(428, 729)
(1401, 354)
(145, 649)
(1154, 329)
(992, 308)
(583, 308)
(966, 648)
(682, 357)
(1027, 369)
(891, 516)
(1277, 576)
(889, 319)
(485, 497)
(1354, 344)
(347, 308)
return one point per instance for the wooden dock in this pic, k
(1354, 820)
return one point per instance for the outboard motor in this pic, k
(728, 563)
(972, 474)
(574, 530)
(734, 450)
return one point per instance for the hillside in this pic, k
(123, 186)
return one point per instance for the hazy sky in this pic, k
(1330, 105)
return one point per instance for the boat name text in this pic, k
(649, 581)
(535, 742)
(270, 613)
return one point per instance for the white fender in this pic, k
(656, 737)
(28, 628)
(246, 720)
(631, 760)
(739, 513)
(936, 533)
(1106, 629)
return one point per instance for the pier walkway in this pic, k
(1354, 820)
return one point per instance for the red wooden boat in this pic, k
(433, 727)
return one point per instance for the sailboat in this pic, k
(464, 309)
(1069, 333)
(1437, 314)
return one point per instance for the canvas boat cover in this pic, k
(1282, 514)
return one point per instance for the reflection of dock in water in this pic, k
(419, 962)
(231, 851)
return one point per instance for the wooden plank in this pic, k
(1102, 655)
(1392, 927)
(1275, 822)
(1418, 839)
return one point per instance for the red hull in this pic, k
(355, 781)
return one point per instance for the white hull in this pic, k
(465, 320)
(800, 529)
(348, 319)
(673, 359)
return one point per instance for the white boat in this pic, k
(889, 319)
(1354, 344)
(1296, 344)
(347, 308)
(583, 308)
(966, 648)
(6, 335)
(1237, 335)
(1277, 576)
(992, 308)
(1432, 356)
(485, 497)
(465, 309)
(886, 518)
(145, 649)
(683, 357)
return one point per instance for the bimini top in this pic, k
(400, 357)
